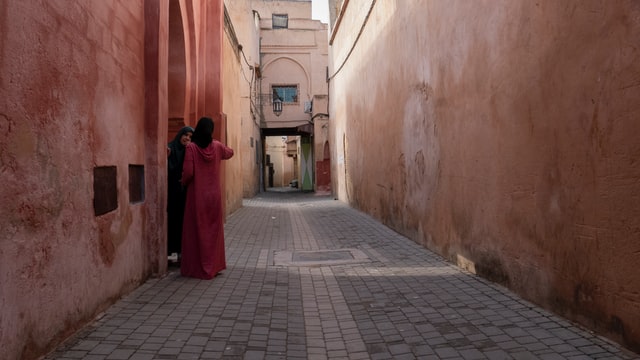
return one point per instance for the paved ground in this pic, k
(310, 278)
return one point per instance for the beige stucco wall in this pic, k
(294, 56)
(246, 27)
(503, 133)
(233, 107)
(68, 103)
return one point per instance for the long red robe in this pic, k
(203, 228)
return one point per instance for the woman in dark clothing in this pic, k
(176, 193)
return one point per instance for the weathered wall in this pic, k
(177, 76)
(245, 26)
(502, 135)
(232, 106)
(86, 85)
(71, 98)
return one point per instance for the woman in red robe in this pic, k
(203, 254)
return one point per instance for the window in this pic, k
(136, 183)
(105, 189)
(279, 21)
(286, 93)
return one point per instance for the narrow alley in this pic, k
(310, 278)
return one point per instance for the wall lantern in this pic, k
(277, 107)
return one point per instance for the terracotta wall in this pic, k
(502, 135)
(72, 98)
(88, 85)
(179, 70)
(203, 68)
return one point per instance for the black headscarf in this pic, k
(202, 136)
(176, 157)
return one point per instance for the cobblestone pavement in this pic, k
(310, 278)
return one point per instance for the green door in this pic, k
(306, 164)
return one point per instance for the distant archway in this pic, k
(296, 63)
(176, 72)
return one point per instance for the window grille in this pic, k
(279, 21)
(288, 94)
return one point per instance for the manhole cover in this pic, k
(322, 255)
(319, 257)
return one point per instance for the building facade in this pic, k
(503, 137)
(90, 92)
(285, 61)
(293, 64)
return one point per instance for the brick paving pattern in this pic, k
(398, 301)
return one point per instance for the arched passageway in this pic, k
(288, 160)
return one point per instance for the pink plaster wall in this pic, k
(156, 92)
(203, 73)
(88, 84)
(508, 133)
(177, 67)
(72, 97)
